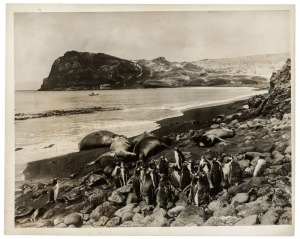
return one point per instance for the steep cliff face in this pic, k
(278, 100)
(83, 70)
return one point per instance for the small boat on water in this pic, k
(93, 94)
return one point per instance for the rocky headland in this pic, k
(256, 162)
(95, 71)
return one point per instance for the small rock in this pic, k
(247, 221)
(117, 197)
(131, 198)
(191, 214)
(27, 190)
(127, 208)
(127, 216)
(244, 163)
(269, 218)
(124, 189)
(115, 221)
(240, 198)
(103, 210)
(251, 155)
(281, 198)
(61, 225)
(97, 196)
(288, 150)
(159, 212)
(71, 226)
(243, 126)
(57, 220)
(222, 221)
(214, 126)
(132, 224)
(278, 157)
(175, 211)
(137, 209)
(73, 218)
(137, 217)
(159, 222)
(226, 211)
(286, 218)
(102, 221)
(265, 190)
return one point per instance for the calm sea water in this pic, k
(140, 109)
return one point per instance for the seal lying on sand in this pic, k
(121, 147)
(149, 146)
(141, 136)
(102, 138)
(211, 137)
(222, 133)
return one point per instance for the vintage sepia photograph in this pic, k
(136, 118)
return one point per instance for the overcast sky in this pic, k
(40, 38)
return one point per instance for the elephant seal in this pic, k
(149, 146)
(221, 133)
(121, 147)
(99, 139)
(141, 136)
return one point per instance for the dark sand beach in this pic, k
(65, 165)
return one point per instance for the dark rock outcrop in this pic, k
(278, 100)
(89, 71)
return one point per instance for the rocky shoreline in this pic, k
(260, 195)
(90, 200)
(57, 113)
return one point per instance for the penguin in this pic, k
(216, 174)
(136, 183)
(116, 174)
(123, 173)
(185, 177)
(205, 166)
(191, 190)
(163, 166)
(147, 189)
(54, 191)
(235, 172)
(202, 196)
(179, 157)
(191, 166)
(175, 175)
(260, 168)
(162, 195)
(154, 177)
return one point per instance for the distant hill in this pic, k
(90, 71)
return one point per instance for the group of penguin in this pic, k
(158, 182)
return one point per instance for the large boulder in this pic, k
(99, 139)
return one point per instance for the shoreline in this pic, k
(64, 165)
